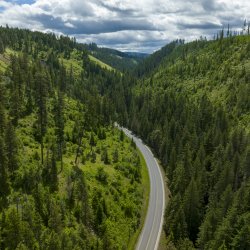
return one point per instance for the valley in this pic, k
(70, 179)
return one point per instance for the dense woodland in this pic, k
(194, 111)
(69, 179)
(189, 102)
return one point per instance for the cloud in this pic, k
(199, 25)
(126, 24)
(76, 27)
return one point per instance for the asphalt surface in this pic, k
(150, 235)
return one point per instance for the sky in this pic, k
(126, 25)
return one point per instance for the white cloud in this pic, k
(143, 25)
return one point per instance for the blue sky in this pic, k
(127, 25)
(21, 1)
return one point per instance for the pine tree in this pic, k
(115, 156)
(62, 79)
(1, 47)
(11, 148)
(172, 163)
(82, 195)
(53, 173)
(2, 111)
(106, 157)
(192, 206)
(4, 179)
(176, 226)
(59, 121)
(41, 99)
(246, 165)
(13, 229)
(92, 142)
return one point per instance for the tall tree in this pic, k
(2, 110)
(192, 206)
(11, 148)
(59, 121)
(4, 179)
(41, 82)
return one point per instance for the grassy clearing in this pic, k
(72, 64)
(5, 59)
(75, 63)
(102, 64)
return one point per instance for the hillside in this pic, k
(193, 109)
(152, 62)
(69, 179)
(122, 61)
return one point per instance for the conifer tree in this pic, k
(2, 111)
(1, 47)
(11, 148)
(192, 205)
(4, 179)
(59, 121)
(92, 142)
(41, 82)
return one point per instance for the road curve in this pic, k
(150, 235)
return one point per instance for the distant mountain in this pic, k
(122, 61)
(136, 54)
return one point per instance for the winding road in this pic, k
(150, 235)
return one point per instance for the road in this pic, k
(150, 235)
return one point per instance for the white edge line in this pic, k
(162, 213)
(163, 208)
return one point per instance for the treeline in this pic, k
(168, 52)
(36, 42)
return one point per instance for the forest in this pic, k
(193, 109)
(70, 180)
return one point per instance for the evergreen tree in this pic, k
(59, 120)
(11, 148)
(41, 99)
(1, 47)
(53, 173)
(92, 142)
(2, 111)
(192, 206)
(4, 179)
(115, 156)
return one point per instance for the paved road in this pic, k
(150, 235)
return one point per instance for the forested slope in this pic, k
(119, 60)
(194, 111)
(69, 179)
